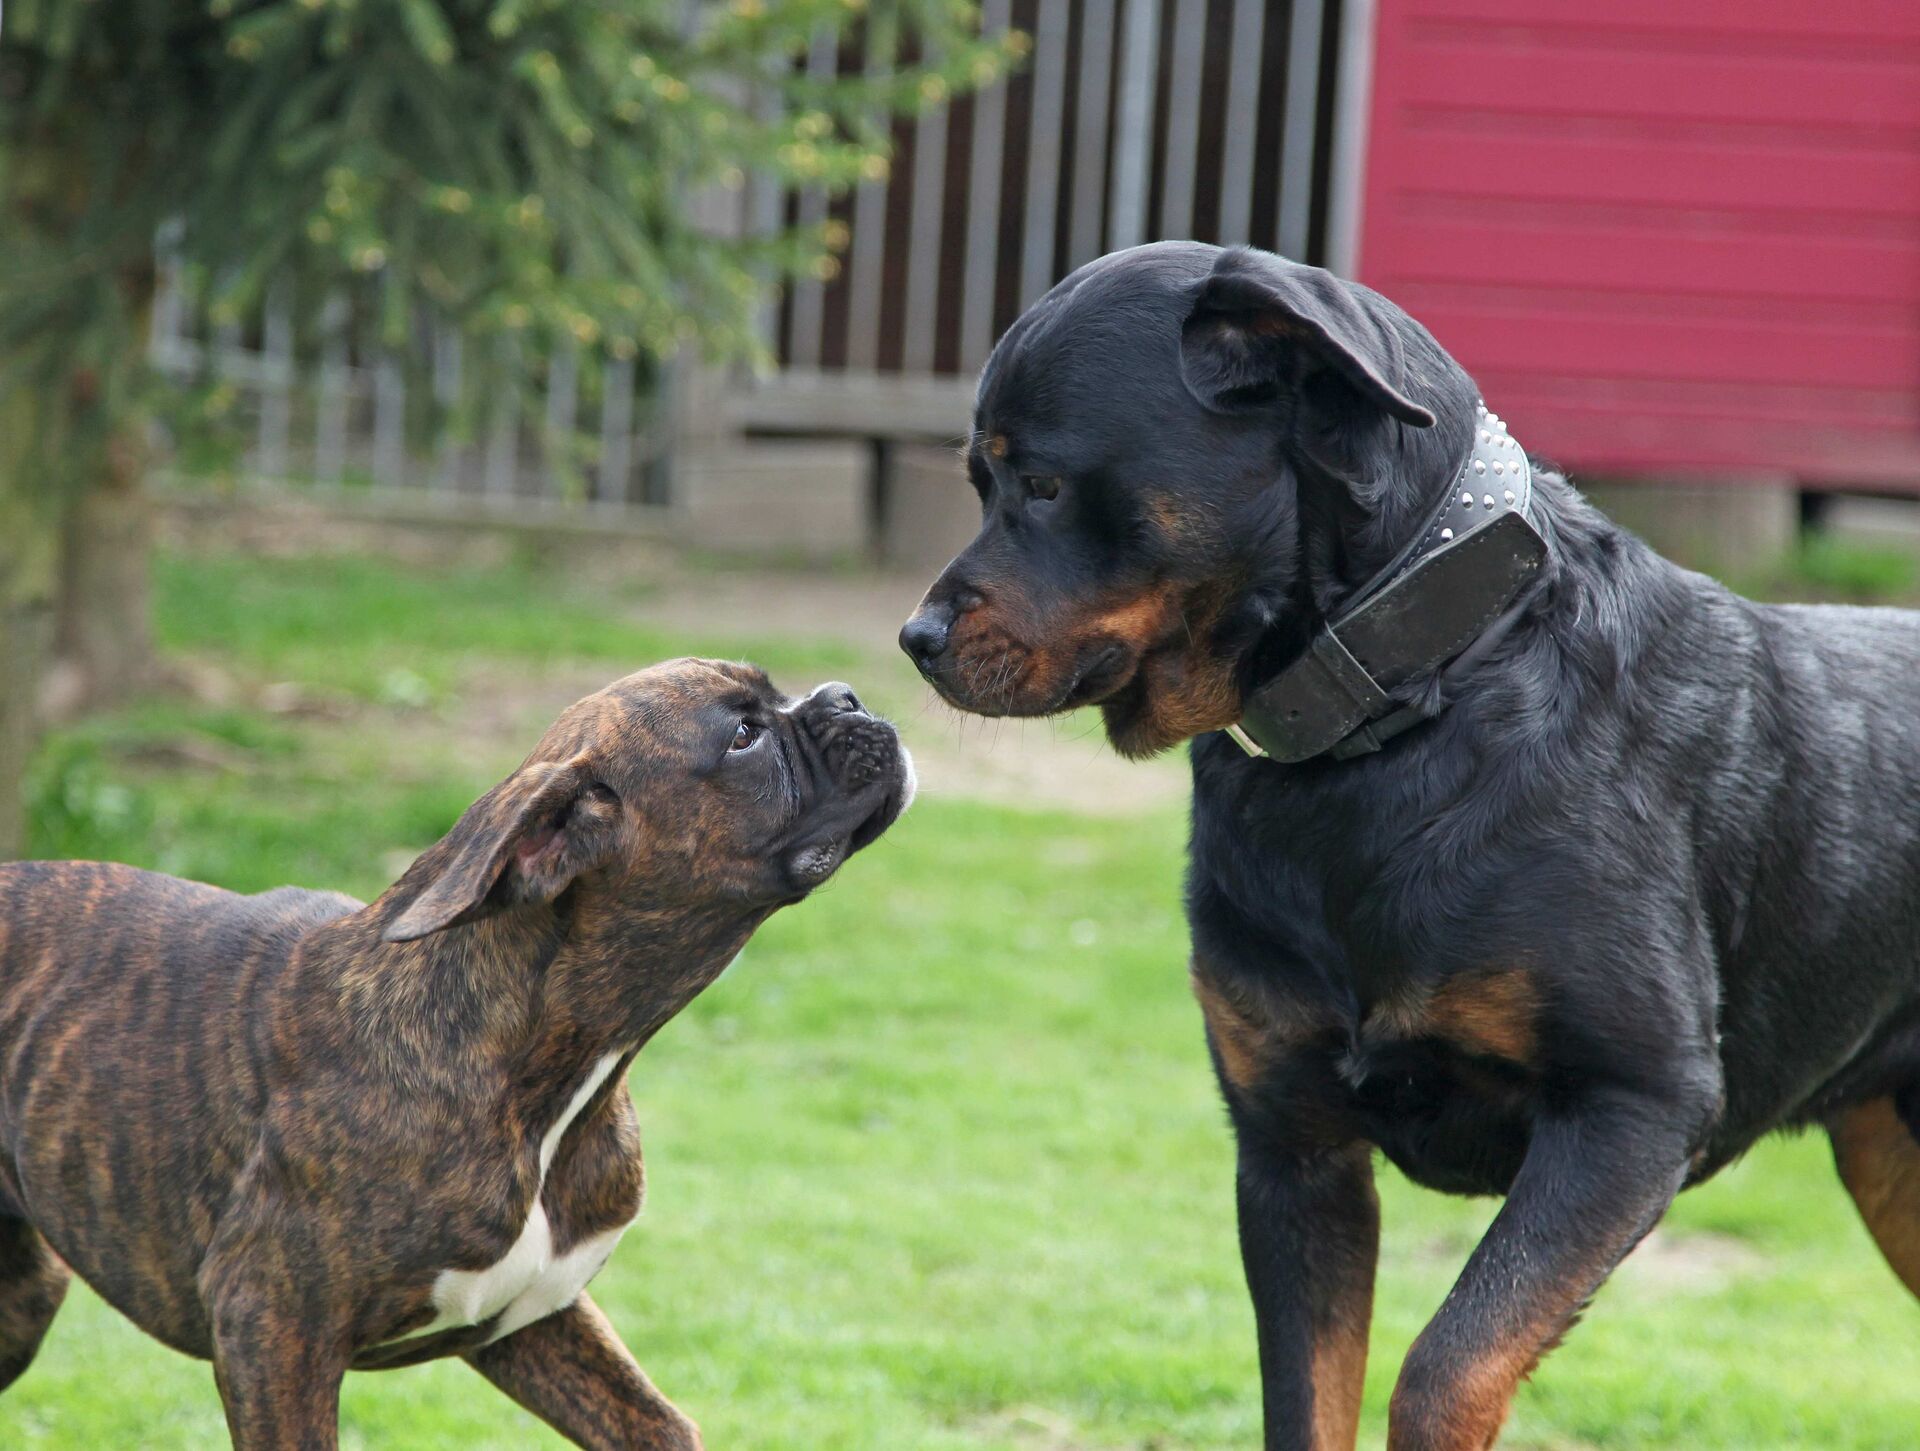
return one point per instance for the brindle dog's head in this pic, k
(691, 785)
(1183, 455)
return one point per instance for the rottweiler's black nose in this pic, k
(924, 637)
(838, 697)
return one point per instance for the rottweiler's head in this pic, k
(694, 787)
(1183, 454)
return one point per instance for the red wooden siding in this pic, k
(1672, 236)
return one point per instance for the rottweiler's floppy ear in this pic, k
(1260, 321)
(524, 841)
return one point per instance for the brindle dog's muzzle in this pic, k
(867, 780)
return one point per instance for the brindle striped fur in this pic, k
(262, 1126)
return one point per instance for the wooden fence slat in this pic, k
(1352, 94)
(925, 226)
(809, 293)
(1242, 121)
(1296, 134)
(1087, 234)
(389, 422)
(616, 430)
(983, 203)
(764, 215)
(503, 433)
(1043, 147)
(866, 272)
(166, 333)
(330, 416)
(448, 348)
(226, 334)
(1183, 117)
(276, 392)
(563, 401)
(1133, 124)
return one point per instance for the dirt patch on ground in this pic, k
(1063, 765)
(1045, 764)
(1667, 1261)
(1034, 1428)
(1671, 1262)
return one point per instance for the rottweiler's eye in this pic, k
(1042, 486)
(744, 735)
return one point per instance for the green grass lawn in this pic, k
(938, 1163)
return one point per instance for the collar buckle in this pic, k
(1458, 587)
(1238, 735)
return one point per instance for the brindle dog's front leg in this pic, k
(279, 1381)
(1598, 1173)
(277, 1305)
(571, 1371)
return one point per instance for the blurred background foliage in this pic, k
(532, 170)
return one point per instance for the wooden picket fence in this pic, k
(351, 414)
(1223, 120)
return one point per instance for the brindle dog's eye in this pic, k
(744, 735)
(1042, 486)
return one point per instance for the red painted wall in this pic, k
(1667, 236)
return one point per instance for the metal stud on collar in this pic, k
(1495, 454)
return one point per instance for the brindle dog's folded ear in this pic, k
(1260, 322)
(524, 841)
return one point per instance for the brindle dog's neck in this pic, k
(545, 990)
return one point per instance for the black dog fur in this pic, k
(1647, 890)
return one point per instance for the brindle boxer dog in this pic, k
(1568, 896)
(298, 1135)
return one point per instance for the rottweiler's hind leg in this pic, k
(33, 1282)
(1876, 1145)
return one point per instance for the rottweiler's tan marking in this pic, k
(1491, 1014)
(1249, 1034)
(1879, 1162)
(1340, 1369)
(1456, 1397)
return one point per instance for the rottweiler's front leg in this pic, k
(1597, 1175)
(1309, 1238)
(571, 1371)
(1309, 1216)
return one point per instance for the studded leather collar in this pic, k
(1444, 600)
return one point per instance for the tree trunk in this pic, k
(103, 635)
(103, 639)
(29, 558)
(24, 627)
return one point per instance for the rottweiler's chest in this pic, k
(1440, 1078)
(1449, 1120)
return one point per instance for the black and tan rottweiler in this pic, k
(298, 1135)
(1570, 905)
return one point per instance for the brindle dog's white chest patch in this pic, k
(530, 1280)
